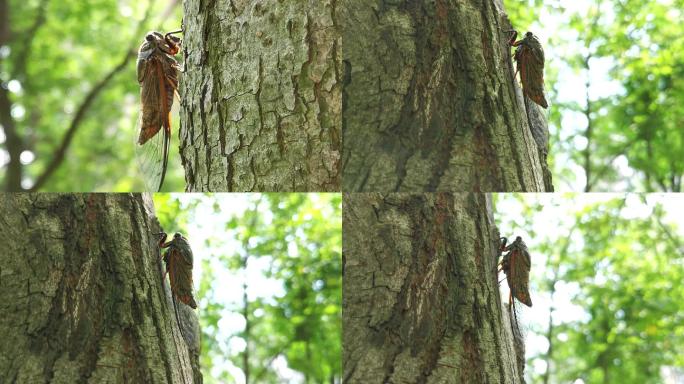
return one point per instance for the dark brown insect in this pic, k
(516, 266)
(158, 78)
(529, 57)
(178, 259)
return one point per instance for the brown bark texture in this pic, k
(84, 300)
(430, 102)
(261, 96)
(420, 295)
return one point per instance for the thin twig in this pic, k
(19, 69)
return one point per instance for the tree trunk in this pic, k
(421, 303)
(430, 102)
(83, 292)
(261, 99)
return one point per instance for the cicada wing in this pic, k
(519, 276)
(519, 316)
(150, 158)
(531, 67)
(180, 275)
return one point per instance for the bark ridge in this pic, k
(261, 96)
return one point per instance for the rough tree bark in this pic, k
(430, 102)
(420, 296)
(261, 99)
(83, 297)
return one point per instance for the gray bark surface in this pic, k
(430, 102)
(261, 96)
(84, 300)
(420, 295)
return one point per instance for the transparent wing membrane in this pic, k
(152, 157)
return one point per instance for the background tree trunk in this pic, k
(420, 296)
(261, 98)
(430, 102)
(83, 298)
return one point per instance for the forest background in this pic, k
(605, 285)
(268, 280)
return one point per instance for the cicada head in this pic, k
(530, 37)
(519, 243)
(156, 41)
(177, 235)
(532, 41)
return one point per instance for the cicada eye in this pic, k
(149, 37)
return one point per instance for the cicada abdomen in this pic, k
(179, 259)
(157, 72)
(529, 58)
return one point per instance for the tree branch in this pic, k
(83, 108)
(588, 105)
(676, 243)
(14, 142)
(601, 171)
(76, 122)
(264, 369)
(19, 69)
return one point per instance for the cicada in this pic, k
(529, 57)
(516, 266)
(158, 73)
(178, 259)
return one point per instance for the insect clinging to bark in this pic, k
(529, 56)
(178, 259)
(516, 266)
(158, 78)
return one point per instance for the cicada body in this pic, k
(516, 266)
(529, 57)
(157, 72)
(178, 259)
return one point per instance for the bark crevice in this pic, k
(85, 301)
(434, 108)
(420, 291)
(273, 120)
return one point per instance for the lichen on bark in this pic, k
(430, 100)
(83, 293)
(261, 96)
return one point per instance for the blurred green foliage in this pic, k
(173, 216)
(57, 54)
(298, 238)
(621, 271)
(626, 136)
